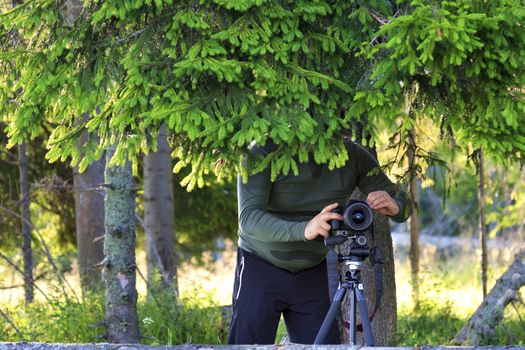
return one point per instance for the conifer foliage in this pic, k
(224, 73)
(465, 60)
(219, 73)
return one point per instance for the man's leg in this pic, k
(308, 308)
(256, 306)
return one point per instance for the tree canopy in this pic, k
(222, 74)
(462, 64)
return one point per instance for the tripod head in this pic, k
(357, 219)
(358, 249)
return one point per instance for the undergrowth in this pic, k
(162, 320)
(449, 294)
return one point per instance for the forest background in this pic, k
(434, 87)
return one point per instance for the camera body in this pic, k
(357, 218)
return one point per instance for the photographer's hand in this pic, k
(383, 203)
(320, 225)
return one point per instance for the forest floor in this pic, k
(450, 291)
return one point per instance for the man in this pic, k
(281, 266)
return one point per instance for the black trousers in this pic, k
(262, 292)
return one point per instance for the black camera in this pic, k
(357, 218)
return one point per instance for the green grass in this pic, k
(162, 321)
(196, 320)
(430, 324)
(449, 293)
(434, 324)
(61, 319)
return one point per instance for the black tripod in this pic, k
(352, 286)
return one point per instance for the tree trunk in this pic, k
(27, 253)
(482, 324)
(89, 209)
(89, 203)
(385, 320)
(119, 251)
(26, 223)
(414, 247)
(414, 220)
(159, 216)
(70, 11)
(483, 227)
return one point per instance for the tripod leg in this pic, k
(335, 307)
(352, 339)
(363, 313)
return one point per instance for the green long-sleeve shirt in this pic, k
(273, 215)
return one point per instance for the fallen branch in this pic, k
(483, 323)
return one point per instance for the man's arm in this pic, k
(256, 222)
(382, 195)
(254, 219)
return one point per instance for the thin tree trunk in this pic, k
(483, 227)
(414, 221)
(159, 216)
(71, 10)
(119, 251)
(483, 323)
(27, 253)
(89, 203)
(89, 210)
(26, 227)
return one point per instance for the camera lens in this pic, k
(358, 216)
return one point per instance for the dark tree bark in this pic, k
(70, 10)
(119, 251)
(482, 225)
(385, 320)
(89, 209)
(26, 223)
(414, 247)
(89, 201)
(414, 219)
(159, 216)
(27, 253)
(483, 323)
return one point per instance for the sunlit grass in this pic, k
(450, 291)
(454, 283)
